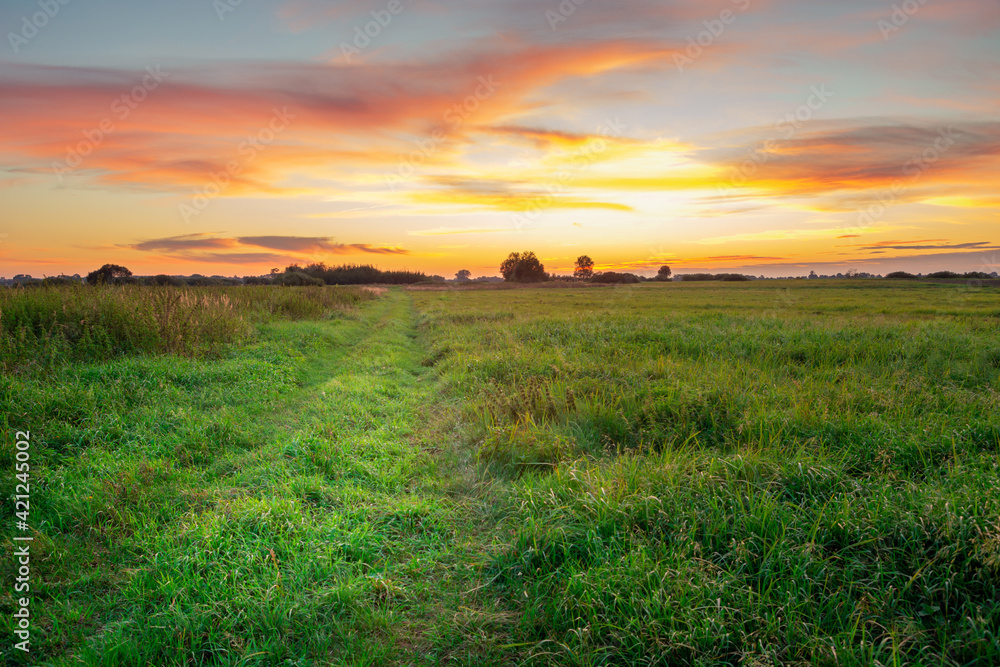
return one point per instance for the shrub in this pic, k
(297, 278)
(163, 279)
(613, 277)
(200, 281)
(357, 274)
(900, 275)
(56, 281)
(728, 277)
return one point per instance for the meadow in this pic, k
(762, 473)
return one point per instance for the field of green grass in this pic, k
(763, 473)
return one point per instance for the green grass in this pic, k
(737, 474)
(675, 474)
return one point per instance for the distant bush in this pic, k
(205, 281)
(613, 277)
(356, 274)
(57, 281)
(900, 275)
(201, 281)
(951, 275)
(727, 277)
(163, 279)
(296, 278)
(257, 280)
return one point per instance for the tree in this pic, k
(107, 274)
(664, 273)
(463, 276)
(584, 268)
(522, 267)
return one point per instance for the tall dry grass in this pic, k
(51, 325)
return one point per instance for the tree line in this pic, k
(525, 267)
(518, 267)
(294, 274)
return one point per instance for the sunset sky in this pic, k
(761, 136)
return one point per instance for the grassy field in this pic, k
(765, 473)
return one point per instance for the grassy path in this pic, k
(293, 505)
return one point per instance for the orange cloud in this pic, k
(202, 247)
(332, 119)
(848, 166)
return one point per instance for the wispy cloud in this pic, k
(919, 245)
(845, 165)
(190, 247)
(186, 242)
(313, 244)
(784, 235)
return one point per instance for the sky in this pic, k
(768, 137)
